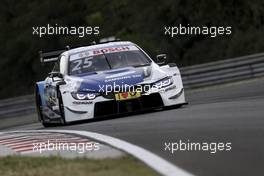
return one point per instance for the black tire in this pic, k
(38, 104)
(63, 121)
(39, 109)
(46, 125)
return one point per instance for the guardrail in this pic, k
(16, 106)
(195, 76)
(223, 71)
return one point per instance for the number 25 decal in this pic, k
(82, 63)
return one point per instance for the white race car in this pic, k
(105, 79)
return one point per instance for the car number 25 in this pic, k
(82, 63)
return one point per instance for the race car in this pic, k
(105, 79)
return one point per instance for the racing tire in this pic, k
(39, 109)
(61, 108)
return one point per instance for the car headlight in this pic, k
(84, 95)
(163, 83)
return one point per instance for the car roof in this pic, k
(97, 46)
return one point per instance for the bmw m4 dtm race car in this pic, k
(105, 79)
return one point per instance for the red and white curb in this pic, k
(23, 142)
(155, 162)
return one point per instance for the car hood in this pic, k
(98, 81)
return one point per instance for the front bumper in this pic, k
(114, 107)
(102, 106)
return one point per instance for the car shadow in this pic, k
(117, 116)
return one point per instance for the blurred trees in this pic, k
(139, 21)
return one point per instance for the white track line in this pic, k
(155, 162)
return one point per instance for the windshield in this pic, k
(106, 60)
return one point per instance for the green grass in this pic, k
(56, 166)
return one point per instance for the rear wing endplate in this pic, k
(49, 57)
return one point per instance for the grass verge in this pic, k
(57, 166)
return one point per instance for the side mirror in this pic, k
(161, 59)
(56, 74)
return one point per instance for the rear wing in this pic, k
(53, 56)
(49, 57)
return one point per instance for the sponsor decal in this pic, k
(100, 51)
(122, 78)
(127, 95)
(82, 102)
(120, 74)
(111, 50)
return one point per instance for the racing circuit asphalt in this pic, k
(229, 113)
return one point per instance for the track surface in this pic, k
(230, 113)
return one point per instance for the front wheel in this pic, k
(39, 109)
(61, 108)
